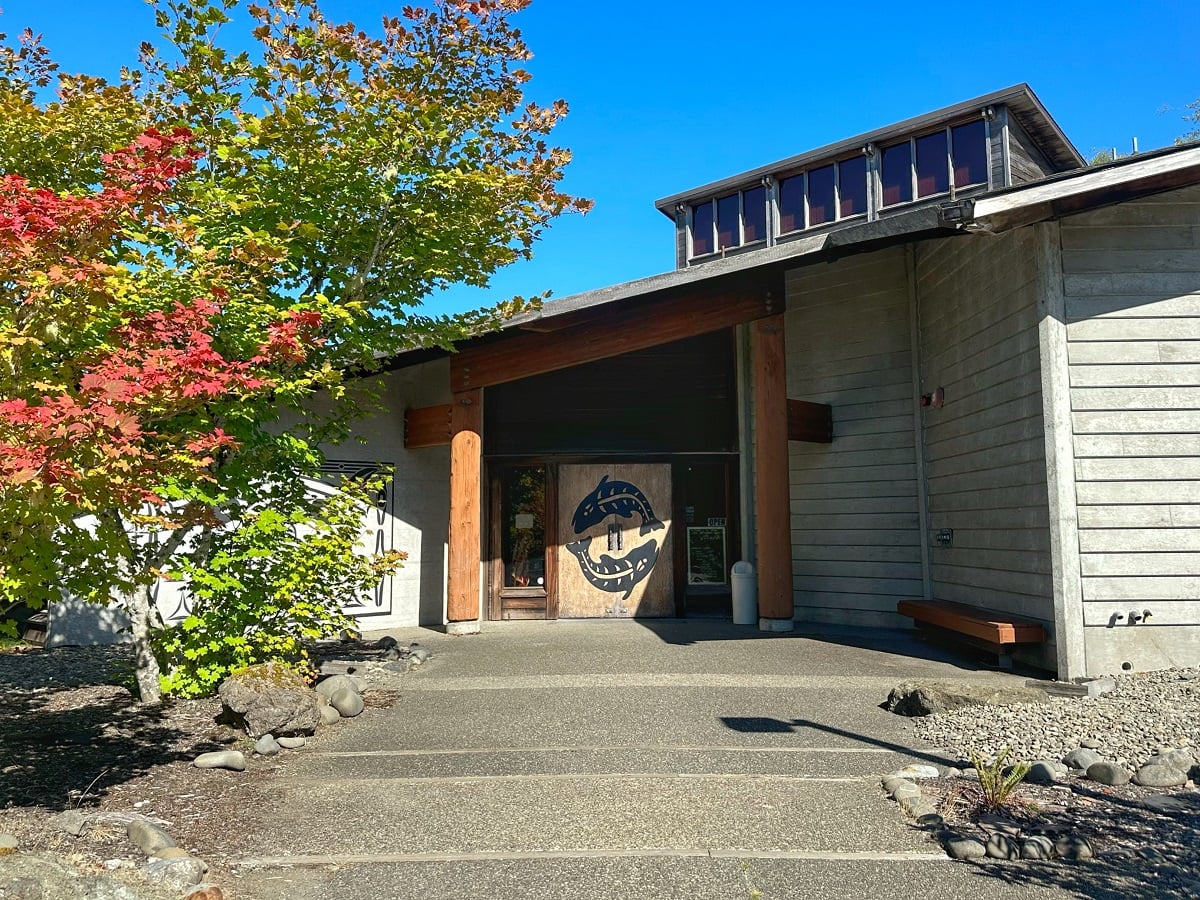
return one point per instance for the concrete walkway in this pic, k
(619, 759)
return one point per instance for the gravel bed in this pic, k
(1146, 711)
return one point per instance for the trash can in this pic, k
(745, 594)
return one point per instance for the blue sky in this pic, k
(667, 95)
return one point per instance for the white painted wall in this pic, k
(1131, 277)
(420, 505)
(855, 522)
(417, 520)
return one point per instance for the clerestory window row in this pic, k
(917, 168)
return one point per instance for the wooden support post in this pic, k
(466, 465)
(772, 503)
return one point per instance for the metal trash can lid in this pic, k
(743, 568)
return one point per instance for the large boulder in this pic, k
(926, 698)
(270, 699)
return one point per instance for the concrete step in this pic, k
(595, 812)
(819, 762)
(656, 877)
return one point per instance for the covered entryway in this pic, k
(612, 485)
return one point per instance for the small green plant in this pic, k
(270, 586)
(995, 784)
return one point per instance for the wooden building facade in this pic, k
(943, 362)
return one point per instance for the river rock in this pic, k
(292, 743)
(46, 876)
(960, 847)
(1175, 758)
(327, 687)
(926, 698)
(329, 715)
(1108, 773)
(270, 699)
(387, 642)
(180, 873)
(930, 820)
(1153, 775)
(170, 853)
(1073, 846)
(233, 760)
(147, 837)
(1037, 847)
(71, 822)
(347, 702)
(891, 782)
(1001, 846)
(8, 842)
(1081, 758)
(905, 789)
(266, 745)
(1041, 772)
(917, 770)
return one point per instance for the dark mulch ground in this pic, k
(72, 736)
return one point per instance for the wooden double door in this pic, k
(602, 540)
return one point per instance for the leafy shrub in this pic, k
(265, 589)
(995, 784)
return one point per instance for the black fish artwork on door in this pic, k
(614, 498)
(615, 574)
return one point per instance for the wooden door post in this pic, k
(772, 502)
(466, 523)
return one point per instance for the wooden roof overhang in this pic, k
(1079, 191)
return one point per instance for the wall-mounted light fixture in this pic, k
(936, 398)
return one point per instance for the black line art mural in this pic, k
(376, 538)
(615, 574)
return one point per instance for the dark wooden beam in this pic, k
(772, 505)
(427, 426)
(466, 522)
(807, 421)
(620, 331)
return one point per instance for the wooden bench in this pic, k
(983, 628)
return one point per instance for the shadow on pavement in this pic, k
(892, 641)
(768, 725)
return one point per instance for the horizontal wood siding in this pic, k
(855, 530)
(985, 448)
(1027, 161)
(1132, 280)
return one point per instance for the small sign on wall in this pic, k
(706, 555)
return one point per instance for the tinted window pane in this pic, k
(754, 214)
(702, 229)
(970, 154)
(820, 196)
(523, 526)
(852, 187)
(727, 222)
(791, 204)
(933, 165)
(897, 174)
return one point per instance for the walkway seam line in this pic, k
(263, 862)
(348, 754)
(586, 776)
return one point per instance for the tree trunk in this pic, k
(141, 611)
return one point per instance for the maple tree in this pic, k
(219, 235)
